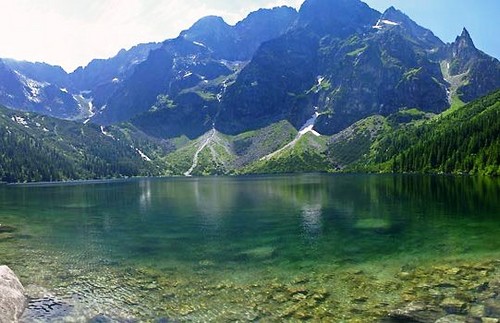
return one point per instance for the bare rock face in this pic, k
(12, 299)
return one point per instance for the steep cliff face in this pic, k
(479, 74)
(378, 73)
(354, 64)
(273, 85)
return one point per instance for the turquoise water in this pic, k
(251, 248)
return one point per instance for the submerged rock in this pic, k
(12, 299)
(47, 309)
(416, 312)
(453, 318)
(489, 320)
(6, 228)
(373, 224)
(101, 318)
(454, 306)
(264, 252)
(492, 308)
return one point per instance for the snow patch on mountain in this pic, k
(143, 155)
(306, 128)
(20, 120)
(381, 23)
(107, 134)
(32, 88)
(85, 106)
(199, 44)
(309, 126)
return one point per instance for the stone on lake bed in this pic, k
(373, 224)
(453, 306)
(453, 318)
(78, 205)
(47, 309)
(416, 312)
(12, 298)
(6, 236)
(6, 228)
(260, 252)
(489, 320)
(101, 318)
(492, 308)
(477, 311)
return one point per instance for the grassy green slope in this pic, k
(224, 154)
(308, 154)
(354, 143)
(216, 157)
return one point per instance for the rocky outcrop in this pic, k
(12, 298)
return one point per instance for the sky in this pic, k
(71, 33)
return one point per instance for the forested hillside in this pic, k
(466, 140)
(40, 148)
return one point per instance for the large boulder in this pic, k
(12, 298)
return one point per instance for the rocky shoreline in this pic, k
(460, 292)
(13, 301)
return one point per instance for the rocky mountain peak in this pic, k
(210, 27)
(336, 17)
(210, 22)
(239, 42)
(465, 40)
(463, 47)
(397, 15)
(263, 17)
(207, 27)
(393, 17)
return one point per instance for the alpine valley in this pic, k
(335, 86)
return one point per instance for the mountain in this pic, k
(273, 86)
(338, 57)
(214, 33)
(41, 72)
(49, 90)
(239, 42)
(101, 77)
(27, 86)
(193, 69)
(336, 86)
(112, 70)
(169, 72)
(380, 67)
(348, 70)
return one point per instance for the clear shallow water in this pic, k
(268, 248)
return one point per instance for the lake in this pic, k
(318, 247)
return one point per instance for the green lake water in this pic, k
(319, 247)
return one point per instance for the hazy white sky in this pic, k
(72, 32)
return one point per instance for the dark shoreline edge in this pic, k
(257, 175)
